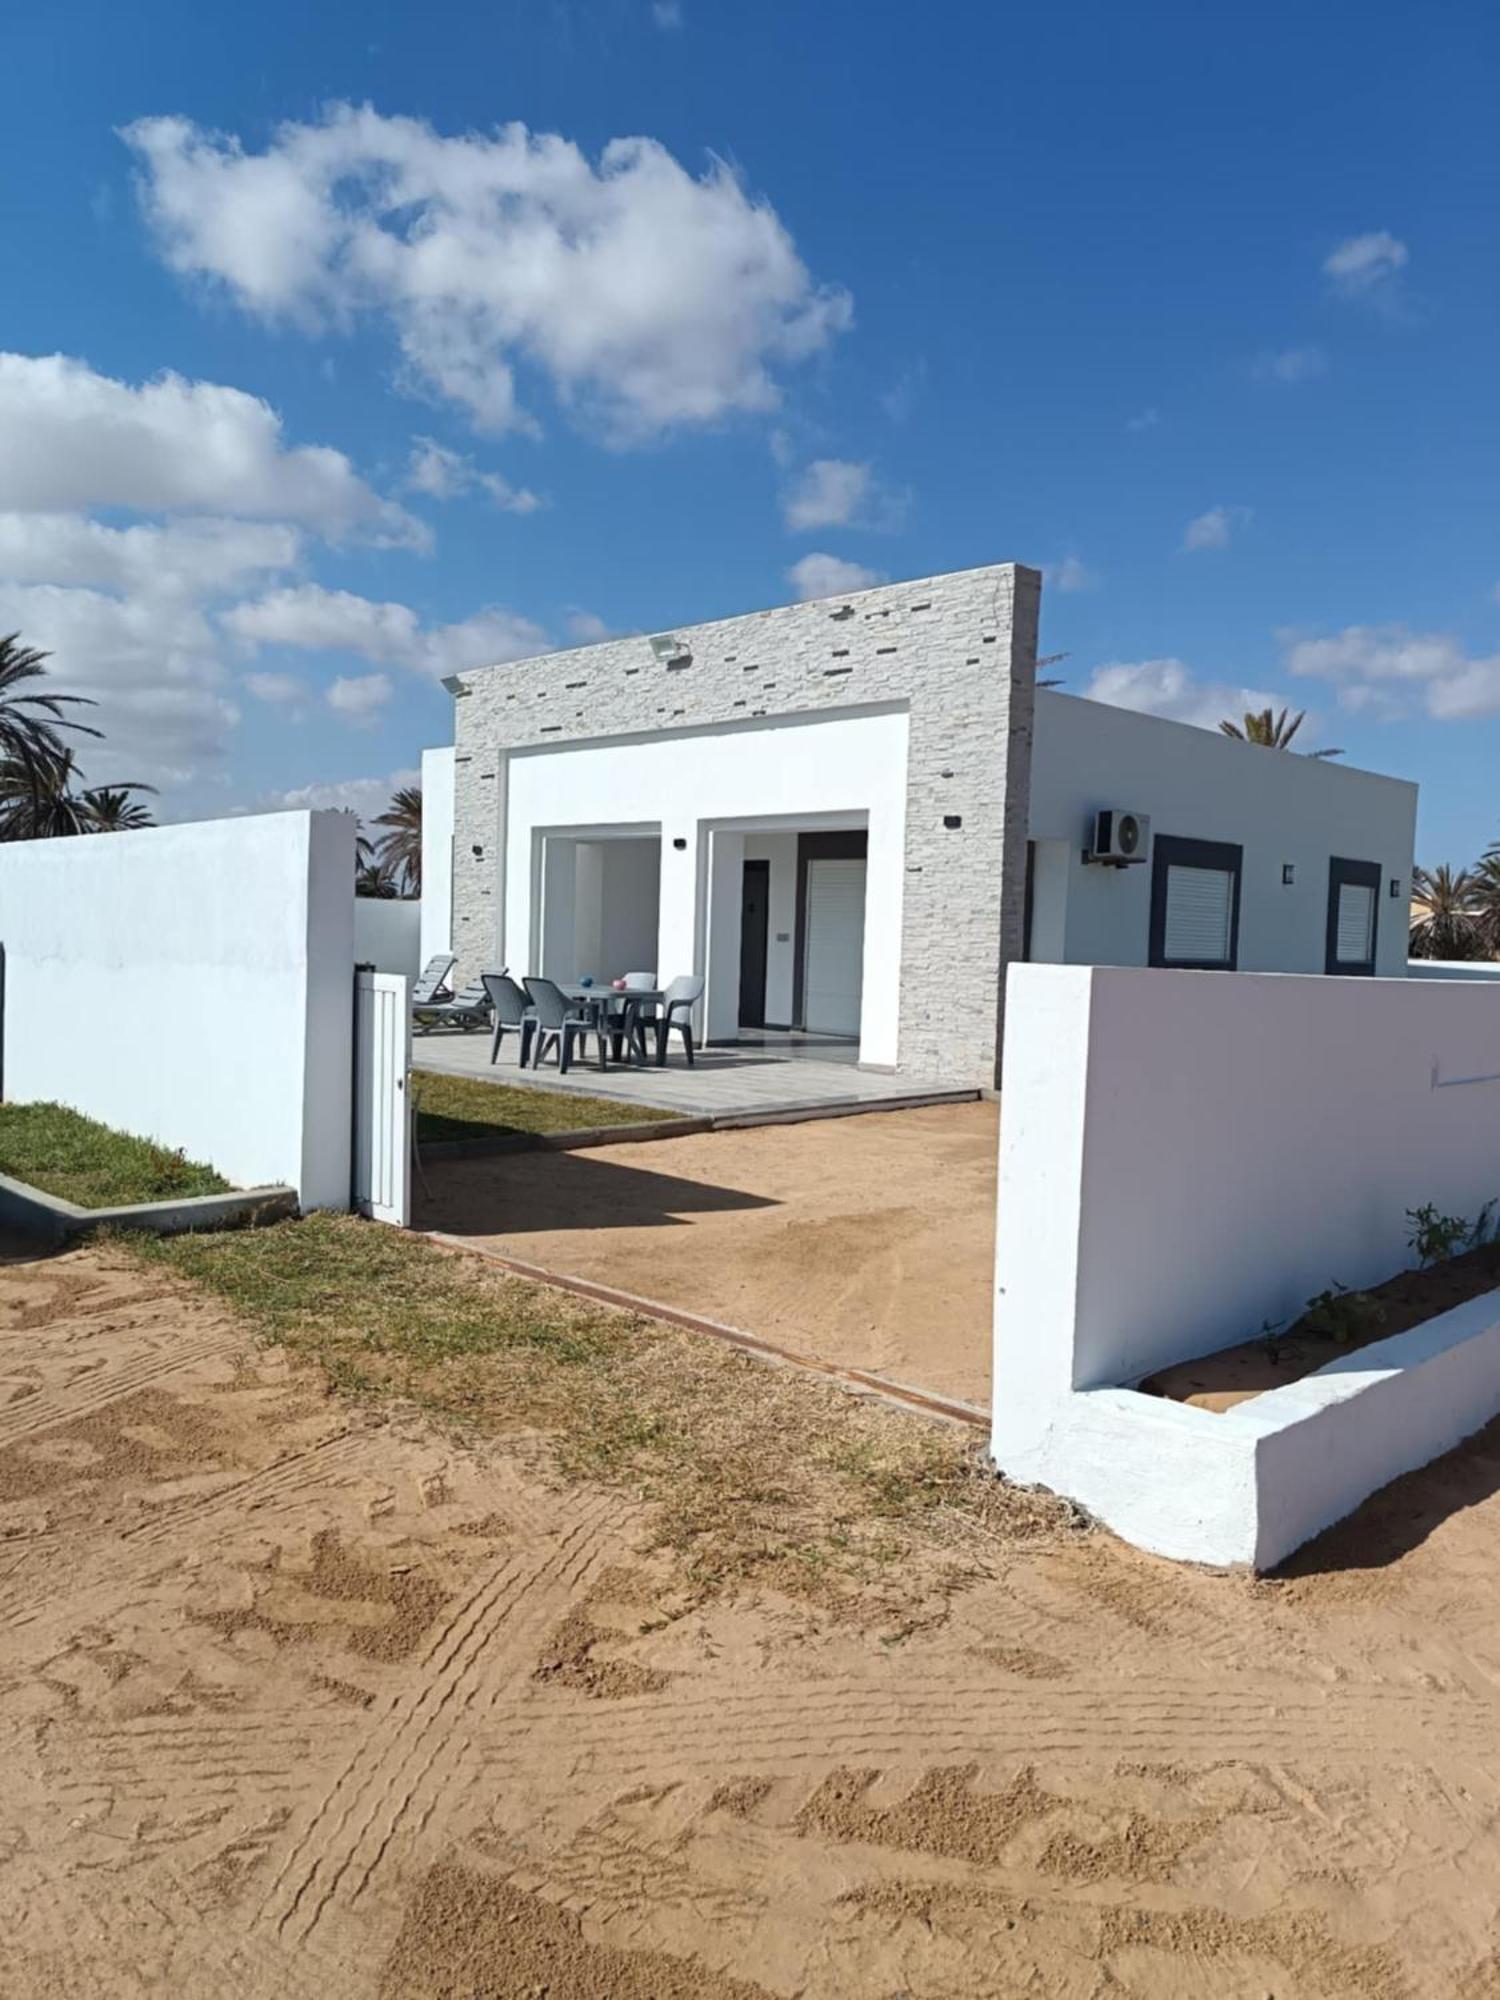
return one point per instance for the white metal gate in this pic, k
(382, 1102)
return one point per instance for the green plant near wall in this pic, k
(1341, 1315)
(1435, 1237)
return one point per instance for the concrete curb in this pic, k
(677, 1128)
(562, 1142)
(28, 1211)
(920, 1402)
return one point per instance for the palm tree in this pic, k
(1270, 730)
(30, 744)
(39, 802)
(114, 809)
(1447, 914)
(373, 876)
(1485, 880)
(401, 845)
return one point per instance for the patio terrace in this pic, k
(791, 1076)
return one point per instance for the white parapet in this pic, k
(1186, 1158)
(192, 984)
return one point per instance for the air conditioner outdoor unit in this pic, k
(1120, 838)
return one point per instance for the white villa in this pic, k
(851, 815)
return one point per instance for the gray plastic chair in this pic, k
(677, 1012)
(559, 1023)
(511, 1010)
(432, 982)
(643, 1016)
(469, 1009)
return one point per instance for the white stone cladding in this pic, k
(958, 652)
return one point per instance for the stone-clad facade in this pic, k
(957, 652)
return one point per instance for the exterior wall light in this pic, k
(953, 821)
(1395, 888)
(679, 843)
(1288, 874)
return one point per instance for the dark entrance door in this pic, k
(755, 904)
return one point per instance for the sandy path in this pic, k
(866, 1241)
(294, 1702)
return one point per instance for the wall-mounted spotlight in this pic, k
(680, 843)
(477, 851)
(456, 687)
(669, 648)
(953, 821)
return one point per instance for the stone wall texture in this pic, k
(958, 652)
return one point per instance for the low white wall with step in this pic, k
(193, 984)
(1187, 1157)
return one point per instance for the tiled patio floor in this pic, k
(723, 1082)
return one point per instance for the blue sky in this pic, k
(1196, 308)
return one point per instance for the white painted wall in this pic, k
(192, 984)
(1186, 1157)
(753, 779)
(599, 908)
(780, 850)
(1452, 968)
(388, 934)
(437, 853)
(1200, 785)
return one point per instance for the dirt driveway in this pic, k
(296, 1701)
(865, 1241)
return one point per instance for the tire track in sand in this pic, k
(33, 1415)
(409, 1762)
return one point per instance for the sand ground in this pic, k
(865, 1241)
(296, 1700)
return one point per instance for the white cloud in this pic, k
(830, 576)
(1290, 365)
(1387, 670)
(587, 628)
(436, 471)
(279, 690)
(150, 661)
(667, 14)
(192, 557)
(1071, 574)
(360, 698)
(901, 398)
(1361, 266)
(1169, 688)
(75, 439)
(310, 618)
(647, 296)
(1214, 529)
(444, 474)
(1143, 420)
(829, 494)
(364, 797)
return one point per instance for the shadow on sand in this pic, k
(1400, 1517)
(519, 1194)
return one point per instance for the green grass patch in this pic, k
(465, 1107)
(63, 1153)
(757, 1475)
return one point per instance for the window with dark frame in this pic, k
(1353, 917)
(1195, 904)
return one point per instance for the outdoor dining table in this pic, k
(618, 1015)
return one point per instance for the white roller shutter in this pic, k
(1354, 931)
(1200, 915)
(833, 979)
